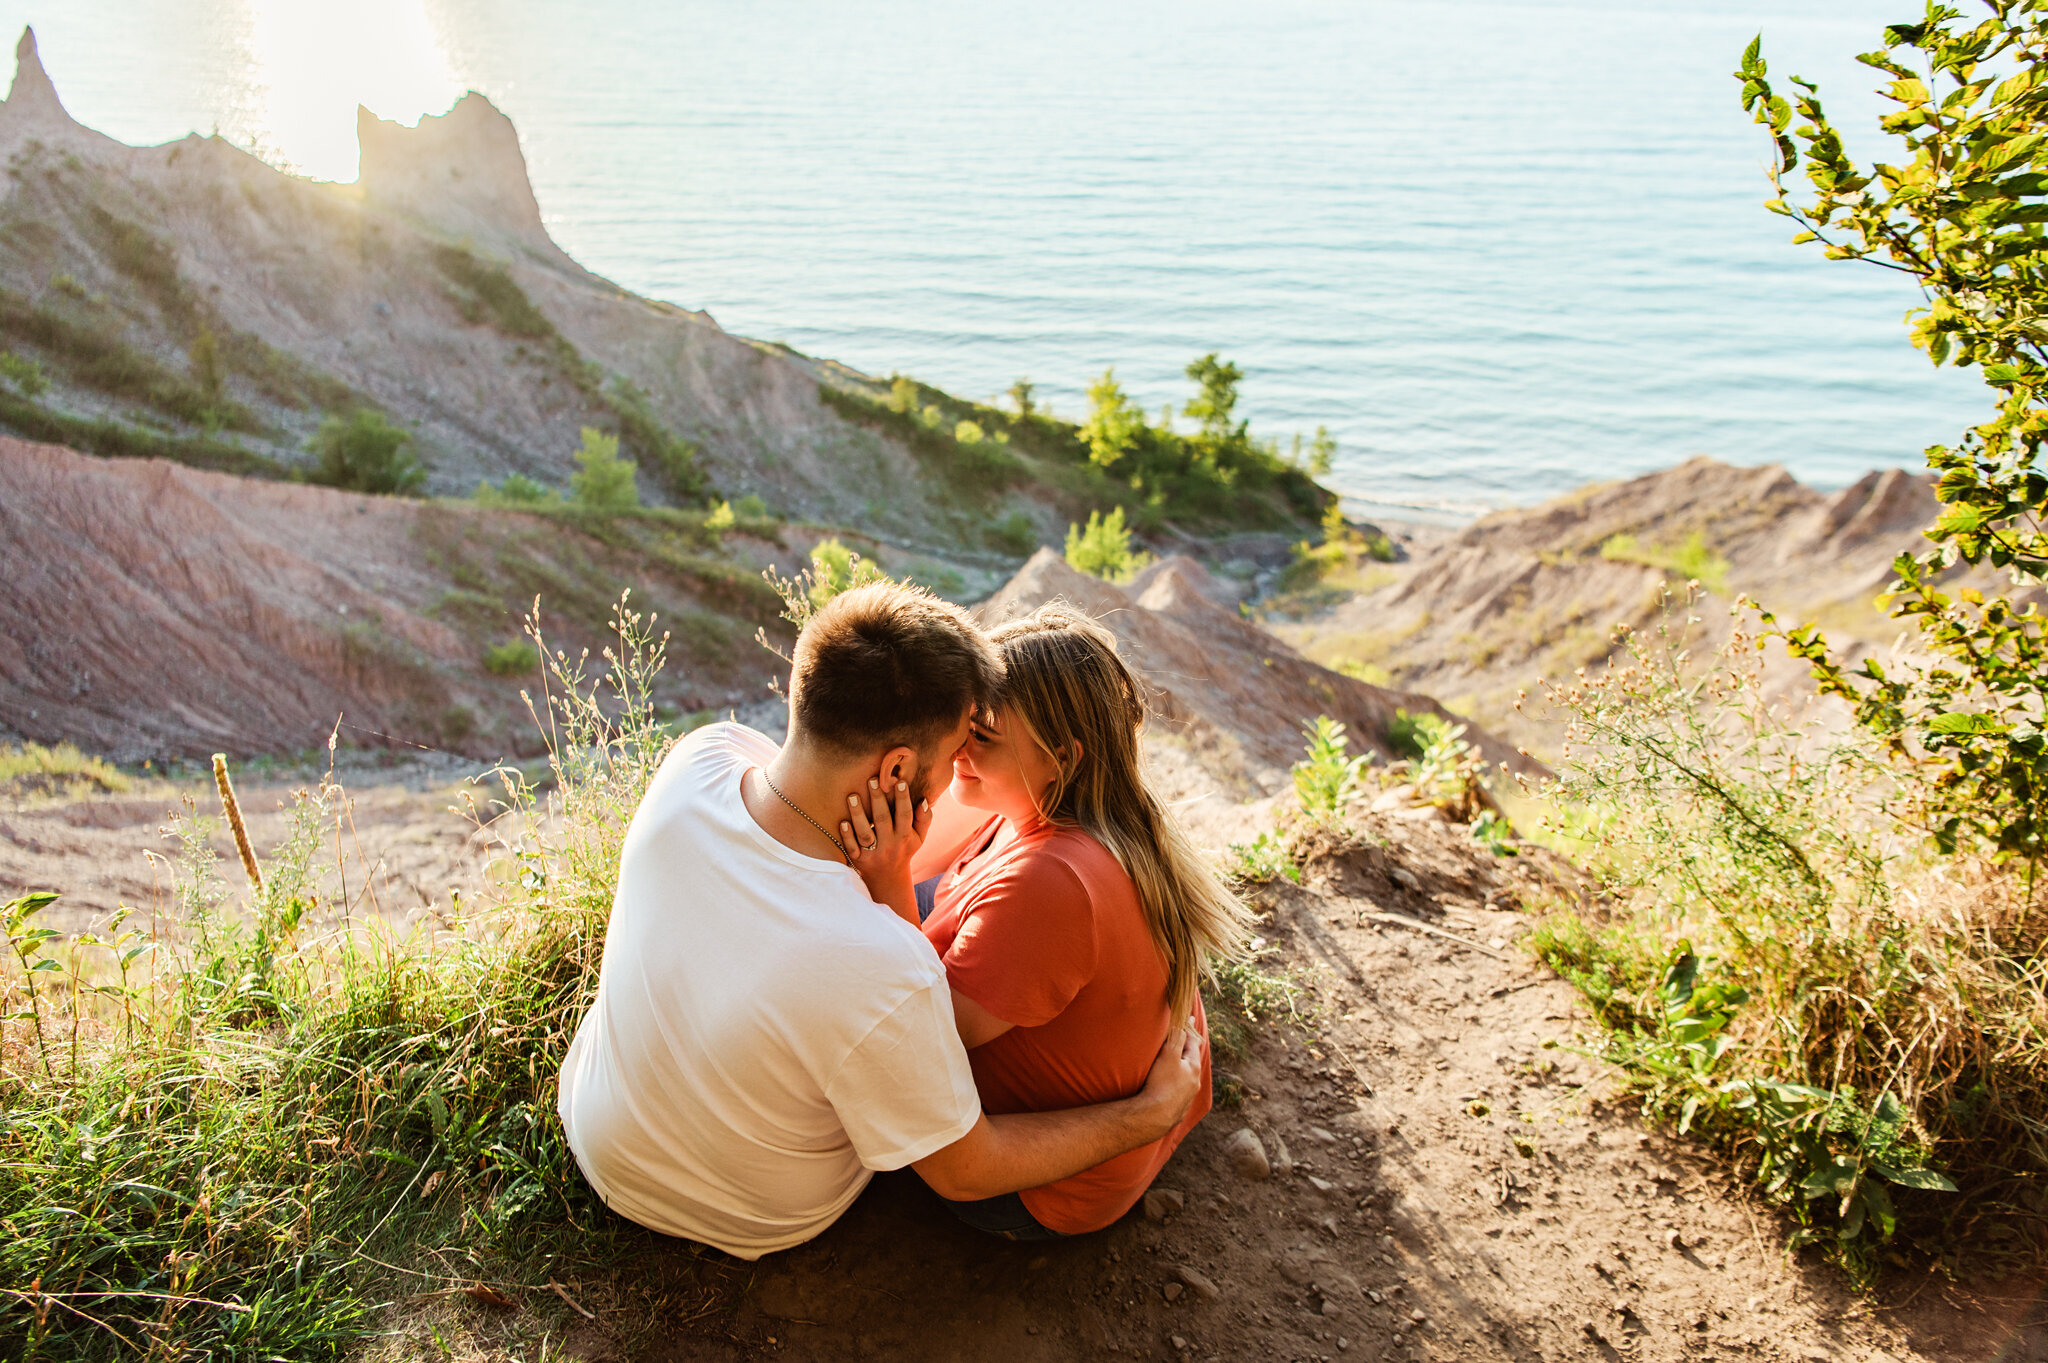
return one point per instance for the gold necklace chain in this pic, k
(836, 846)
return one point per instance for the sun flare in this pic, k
(316, 60)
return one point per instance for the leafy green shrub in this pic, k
(1320, 456)
(365, 453)
(835, 569)
(511, 658)
(1960, 213)
(1114, 421)
(603, 481)
(1102, 548)
(1328, 779)
(1408, 735)
(24, 373)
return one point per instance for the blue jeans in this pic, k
(927, 892)
(1006, 1216)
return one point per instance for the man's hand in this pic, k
(881, 840)
(1176, 1079)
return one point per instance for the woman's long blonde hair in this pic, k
(1065, 685)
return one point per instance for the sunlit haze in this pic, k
(313, 63)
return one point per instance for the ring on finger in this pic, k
(870, 846)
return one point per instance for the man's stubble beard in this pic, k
(931, 781)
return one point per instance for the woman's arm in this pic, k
(952, 824)
(977, 1025)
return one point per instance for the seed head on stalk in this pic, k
(233, 810)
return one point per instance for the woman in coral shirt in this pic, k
(1073, 914)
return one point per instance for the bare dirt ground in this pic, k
(402, 840)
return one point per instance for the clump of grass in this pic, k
(1782, 969)
(1247, 992)
(511, 658)
(1691, 560)
(1262, 860)
(484, 292)
(63, 772)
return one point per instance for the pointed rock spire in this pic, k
(33, 96)
(462, 171)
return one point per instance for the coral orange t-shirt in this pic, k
(1047, 933)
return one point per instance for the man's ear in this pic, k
(898, 764)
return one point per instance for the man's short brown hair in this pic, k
(888, 664)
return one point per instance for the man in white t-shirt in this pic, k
(765, 1036)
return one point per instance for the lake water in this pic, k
(1499, 249)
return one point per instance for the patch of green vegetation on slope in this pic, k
(485, 293)
(1215, 479)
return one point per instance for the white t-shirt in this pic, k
(765, 1035)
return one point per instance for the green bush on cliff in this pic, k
(1102, 548)
(517, 490)
(603, 481)
(364, 452)
(25, 374)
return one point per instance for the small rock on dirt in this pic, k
(1172, 1291)
(1326, 1137)
(1392, 798)
(1199, 1284)
(1247, 1155)
(1161, 1203)
(1283, 1163)
(1404, 877)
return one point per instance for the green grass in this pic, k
(62, 772)
(120, 440)
(1692, 559)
